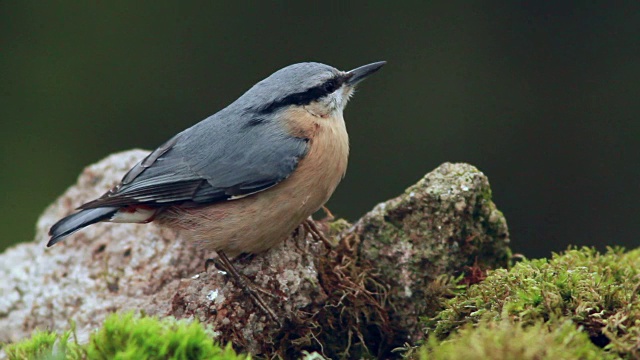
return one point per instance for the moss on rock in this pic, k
(45, 345)
(505, 340)
(128, 337)
(598, 292)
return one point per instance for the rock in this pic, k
(99, 270)
(362, 295)
(446, 224)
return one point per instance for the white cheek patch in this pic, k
(331, 104)
(341, 97)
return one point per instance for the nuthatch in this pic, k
(243, 179)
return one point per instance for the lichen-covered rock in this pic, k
(360, 296)
(446, 224)
(288, 276)
(101, 269)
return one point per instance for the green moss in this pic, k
(128, 337)
(312, 356)
(598, 292)
(40, 343)
(507, 340)
(45, 345)
(337, 226)
(487, 195)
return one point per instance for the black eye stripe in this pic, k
(307, 96)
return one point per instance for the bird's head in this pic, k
(321, 89)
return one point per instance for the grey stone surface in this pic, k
(104, 268)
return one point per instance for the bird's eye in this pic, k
(330, 86)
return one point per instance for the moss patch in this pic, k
(128, 337)
(508, 340)
(45, 345)
(597, 292)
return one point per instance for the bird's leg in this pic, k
(311, 228)
(223, 267)
(245, 284)
(330, 216)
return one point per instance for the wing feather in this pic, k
(215, 160)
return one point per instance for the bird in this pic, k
(243, 179)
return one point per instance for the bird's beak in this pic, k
(359, 74)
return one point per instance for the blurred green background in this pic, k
(541, 96)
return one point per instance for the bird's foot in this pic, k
(223, 263)
(311, 228)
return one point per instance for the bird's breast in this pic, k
(326, 160)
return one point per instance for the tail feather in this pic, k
(77, 221)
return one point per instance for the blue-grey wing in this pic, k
(212, 161)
